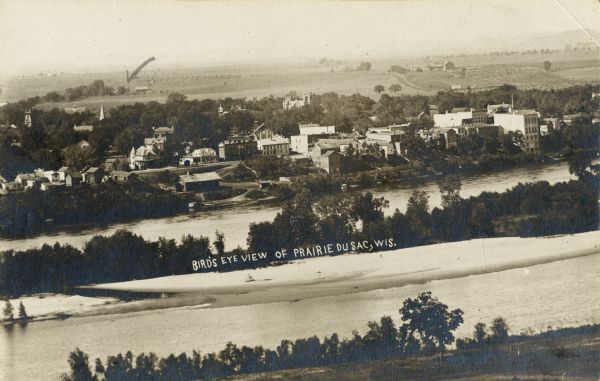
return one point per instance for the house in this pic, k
(448, 66)
(525, 122)
(332, 162)
(62, 173)
(450, 138)
(237, 148)
(164, 132)
(141, 158)
(121, 176)
(141, 90)
(22, 178)
(85, 128)
(199, 156)
(114, 163)
(73, 179)
(74, 109)
(11, 186)
(291, 103)
(93, 175)
(200, 182)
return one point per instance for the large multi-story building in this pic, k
(525, 122)
(309, 134)
(460, 118)
(237, 148)
(290, 103)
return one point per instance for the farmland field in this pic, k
(258, 80)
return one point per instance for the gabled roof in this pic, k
(93, 170)
(330, 153)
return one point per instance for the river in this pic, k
(235, 223)
(557, 294)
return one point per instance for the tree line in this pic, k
(535, 209)
(427, 327)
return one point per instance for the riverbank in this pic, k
(326, 276)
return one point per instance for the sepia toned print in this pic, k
(299, 190)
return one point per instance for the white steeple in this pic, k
(101, 112)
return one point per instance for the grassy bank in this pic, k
(566, 354)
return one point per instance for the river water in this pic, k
(235, 223)
(557, 294)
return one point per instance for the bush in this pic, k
(256, 194)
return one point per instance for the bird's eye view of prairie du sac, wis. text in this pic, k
(387, 190)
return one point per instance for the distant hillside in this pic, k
(559, 40)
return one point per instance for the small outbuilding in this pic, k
(200, 182)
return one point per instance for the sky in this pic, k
(39, 35)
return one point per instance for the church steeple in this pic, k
(101, 112)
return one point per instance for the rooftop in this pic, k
(208, 176)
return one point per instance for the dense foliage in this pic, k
(26, 213)
(199, 122)
(382, 340)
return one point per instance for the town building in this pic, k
(84, 128)
(237, 148)
(200, 182)
(387, 138)
(332, 162)
(277, 146)
(270, 144)
(309, 134)
(93, 175)
(74, 109)
(141, 158)
(459, 118)
(326, 145)
(448, 66)
(525, 122)
(121, 176)
(199, 156)
(291, 103)
(73, 179)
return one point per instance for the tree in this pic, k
(431, 320)
(364, 66)
(480, 333)
(450, 190)
(547, 65)
(379, 89)
(22, 313)
(176, 98)
(219, 242)
(499, 330)
(80, 369)
(8, 311)
(395, 88)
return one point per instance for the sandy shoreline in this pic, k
(325, 276)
